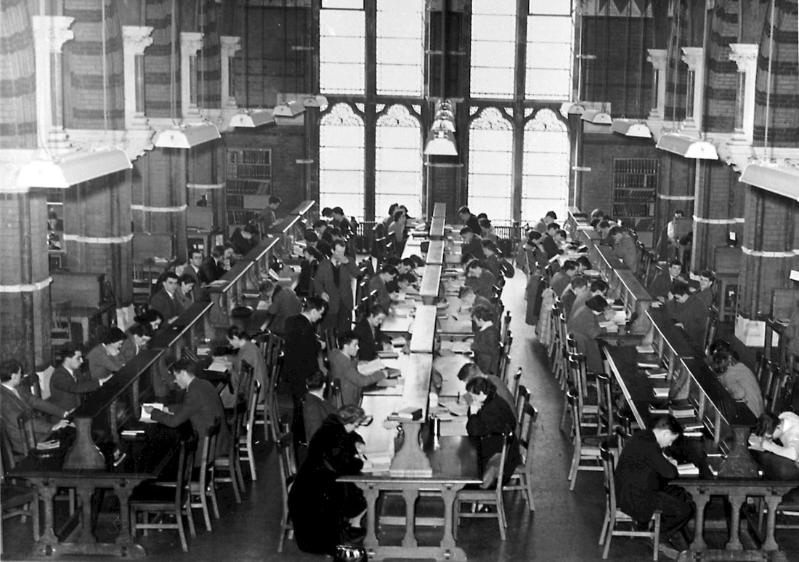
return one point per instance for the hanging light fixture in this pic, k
(597, 117)
(689, 147)
(441, 143)
(288, 108)
(631, 128)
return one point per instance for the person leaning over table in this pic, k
(480, 279)
(471, 370)
(165, 301)
(549, 241)
(641, 477)
(492, 259)
(16, 400)
(485, 345)
(739, 381)
(324, 512)
(377, 283)
(563, 277)
(624, 247)
(184, 295)
(344, 368)
(370, 338)
(105, 359)
(246, 352)
(578, 286)
(598, 287)
(472, 244)
(281, 302)
(315, 409)
(69, 383)
(201, 406)
(584, 324)
(489, 419)
(139, 335)
(468, 219)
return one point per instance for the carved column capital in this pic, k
(136, 38)
(51, 32)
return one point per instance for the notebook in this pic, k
(688, 469)
(147, 417)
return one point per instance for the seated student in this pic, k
(165, 301)
(196, 259)
(104, 359)
(641, 475)
(480, 279)
(578, 286)
(280, 302)
(344, 368)
(583, 265)
(471, 370)
(310, 260)
(406, 282)
(377, 283)
(739, 381)
(315, 409)
(246, 352)
(213, 267)
(584, 324)
(490, 417)
(322, 509)
(389, 218)
(548, 242)
(472, 245)
(603, 228)
(406, 266)
(544, 223)
(690, 318)
(562, 278)
(139, 336)
(370, 338)
(471, 300)
(184, 295)
(704, 298)
(69, 383)
(201, 406)
(485, 345)
(598, 287)
(18, 400)
(244, 239)
(468, 219)
(778, 450)
(661, 284)
(151, 318)
(492, 259)
(487, 231)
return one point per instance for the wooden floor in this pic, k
(564, 527)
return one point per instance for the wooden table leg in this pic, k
(735, 523)
(85, 493)
(48, 541)
(701, 500)
(770, 542)
(129, 548)
(371, 493)
(410, 495)
(448, 493)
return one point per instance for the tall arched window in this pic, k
(341, 160)
(491, 165)
(545, 171)
(398, 169)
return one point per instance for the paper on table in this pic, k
(645, 365)
(369, 367)
(147, 417)
(377, 463)
(456, 408)
(218, 366)
(461, 346)
(661, 392)
(645, 348)
(688, 469)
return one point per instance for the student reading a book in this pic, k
(344, 367)
(775, 446)
(485, 346)
(470, 370)
(324, 512)
(370, 338)
(490, 418)
(739, 381)
(584, 324)
(246, 352)
(641, 475)
(315, 409)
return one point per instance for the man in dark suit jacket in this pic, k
(584, 324)
(485, 345)
(301, 354)
(661, 285)
(201, 406)
(213, 268)
(370, 338)
(562, 278)
(641, 473)
(468, 219)
(344, 368)
(548, 242)
(315, 408)
(480, 279)
(472, 244)
(333, 283)
(164, 301)
(69, 383)
(378, 283)
(16, 400)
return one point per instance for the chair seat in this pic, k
(592, 441)
(152, 493)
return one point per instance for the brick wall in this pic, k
(677, 177)
(686, 31)
(719, 197)
(721, 77)
(162, 91)
(17, 77)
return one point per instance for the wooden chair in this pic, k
(166, 498)
(485, 497)
(614, 517)
(522, 477)
(202, 486)
(587, 411)
(516, 383)
(586, 454)
(61, 324)
(267, 412)
(504, 359)
(606, 413)
(288, 471)
(18, 498)
(334, 393)
(246, 452)
(227, 468)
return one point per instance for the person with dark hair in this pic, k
(704, 298)
(468, 219)
(490, 418)
(390, 216)
(598, 287)
(244, 239)
(322, 510)
(485, 345)
(201, 406)
(16, 400)
(690, 318)
(470, 370)
(545, 221)
(396, 230)
(641, 475)
(302, 347)
(739, 381)
(69, 382)
(377, 284)
(315, 409)
(344, 368)
(184, 295)
(104, 359)
(151, 318)
(196, 258)
(164, 301)
(370, 338)
(333, 282)
(247, 352)
(139, 336)
(339, 220)
(584, 324)
(491, 260)
(583, 265)
(310, 261)
(487, 230)
(268, 217)
(624, 247)
(578, 286)
(563, 277)
(480, 279)
(603, 228)
(213, 267)
(280, 302)
(548, 241)
(472, 244)
(662, 282)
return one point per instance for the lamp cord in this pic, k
(769, 77)
(172, 67)
(104, 38)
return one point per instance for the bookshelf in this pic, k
(249, 183)
(634, 191)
